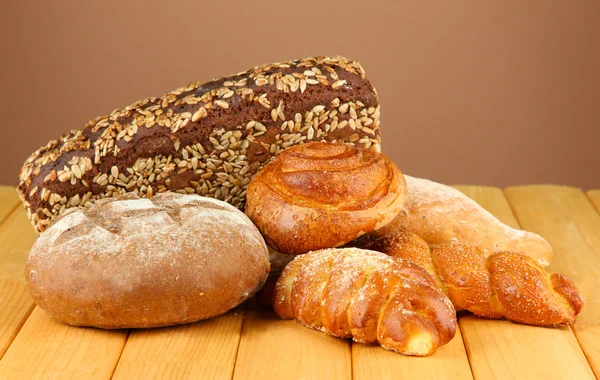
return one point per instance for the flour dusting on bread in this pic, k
(440, 214)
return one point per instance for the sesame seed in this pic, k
(76, 171)
(337, 84)
(221, 103)
(51, 176)
(318, 109)
(199, 114)
(352, 124)
(64, 176)
(261, 81)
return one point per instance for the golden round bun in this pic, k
(323, 195)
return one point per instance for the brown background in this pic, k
(478, 92)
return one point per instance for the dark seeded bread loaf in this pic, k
(205, 138)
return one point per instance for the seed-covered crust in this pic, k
(205, 138)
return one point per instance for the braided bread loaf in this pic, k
(505, 284)
(368, 296)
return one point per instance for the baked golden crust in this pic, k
(440, 214)
(505, 284)
(368, 296)
(322, 195)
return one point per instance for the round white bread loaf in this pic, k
(129, 262)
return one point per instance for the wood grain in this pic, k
(500, 349)
(594, 196)
(202, 350)
(37, 346)
(16, 237)
(45, 349)
(567, 219)
(373, 362)
(272, 348)
(8, 201)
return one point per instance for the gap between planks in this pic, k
(32, 345)
(501, 349)
(568, 220)
(16, 236)
(9, 201)
(200, 350)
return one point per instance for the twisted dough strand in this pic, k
(367, 296)
(505, 284)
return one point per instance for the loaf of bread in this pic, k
(505, 284)
(366, 296)
(129, 262)
(323, 195)
(205, 138)
(440, 214)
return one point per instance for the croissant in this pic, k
(323, 195)
(440, 214)
(505, 284)
(367, 296)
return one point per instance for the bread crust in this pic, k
(440, 214)
(367, 296)
(504, 285)
(323, 195)
(206, 138)
(128, 262)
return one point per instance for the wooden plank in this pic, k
(37, 346)
(8, 201)
(594, 196)
(272, 348)
(566, 218)
(500, 349)
(16, 237)
(47, 349)
(374, 362)
(202, 350)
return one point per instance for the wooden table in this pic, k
(250, 344)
